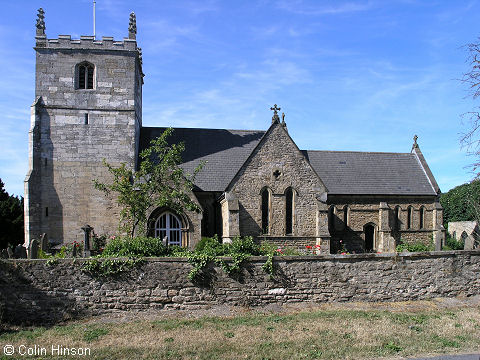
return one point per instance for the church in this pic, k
(88, 107)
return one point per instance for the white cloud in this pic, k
(318, 8)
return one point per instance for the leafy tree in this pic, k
(462, 203)
(159, 182)
(11, 219)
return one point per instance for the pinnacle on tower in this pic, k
(40, 25)
(132, 27)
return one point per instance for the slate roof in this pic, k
(343, 172)
(224, 150)
(362, 173)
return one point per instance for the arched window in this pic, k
(169, 226)
(422, 217)
(85, 72)
(265, 211)
(396, 219)
(289, 210)
(410, 217)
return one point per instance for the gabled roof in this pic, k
(342, 172)
(224, 151)
(370, 173)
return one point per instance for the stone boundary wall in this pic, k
(35, 291)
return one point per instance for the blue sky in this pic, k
(349, 75)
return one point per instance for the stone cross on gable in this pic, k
(415, 138)
(275, 118)
(40, 22)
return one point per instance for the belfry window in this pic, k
(169, 227)
(289, 204)
(265, 211)
(85, 72)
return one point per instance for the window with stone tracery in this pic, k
(85, 76)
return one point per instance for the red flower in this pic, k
(308, 247)
(343, 253)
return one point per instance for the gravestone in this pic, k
(33, 249)
(20, 252)
(10, 253)
(44, 242)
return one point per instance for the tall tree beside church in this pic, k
(471, 138)
(159, 182)
(462, 203)
(11, 219)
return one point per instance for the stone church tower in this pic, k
(88, 107)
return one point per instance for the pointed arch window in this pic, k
(289, 210)
(265, 211)
(409, 217)
(85, 75)
(422, 217)
(168, 226)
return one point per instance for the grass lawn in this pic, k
(305, 334)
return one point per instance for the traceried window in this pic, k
(85, 75)
(289, 211)
(169, 226)
(265, 211)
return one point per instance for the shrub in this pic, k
(137, 246)
(453, 244)
(212, 244)
(413, 247)
(244, 245)
(99, 242)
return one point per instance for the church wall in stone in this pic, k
(365, 210)
(277, 164)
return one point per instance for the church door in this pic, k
(369, 230)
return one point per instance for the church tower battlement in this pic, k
(88, 107)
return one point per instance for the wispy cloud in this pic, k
(303, 8)
(200, 7)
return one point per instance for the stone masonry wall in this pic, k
(277, 153)
(34, 291)
(66, 150)
(365, 210)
